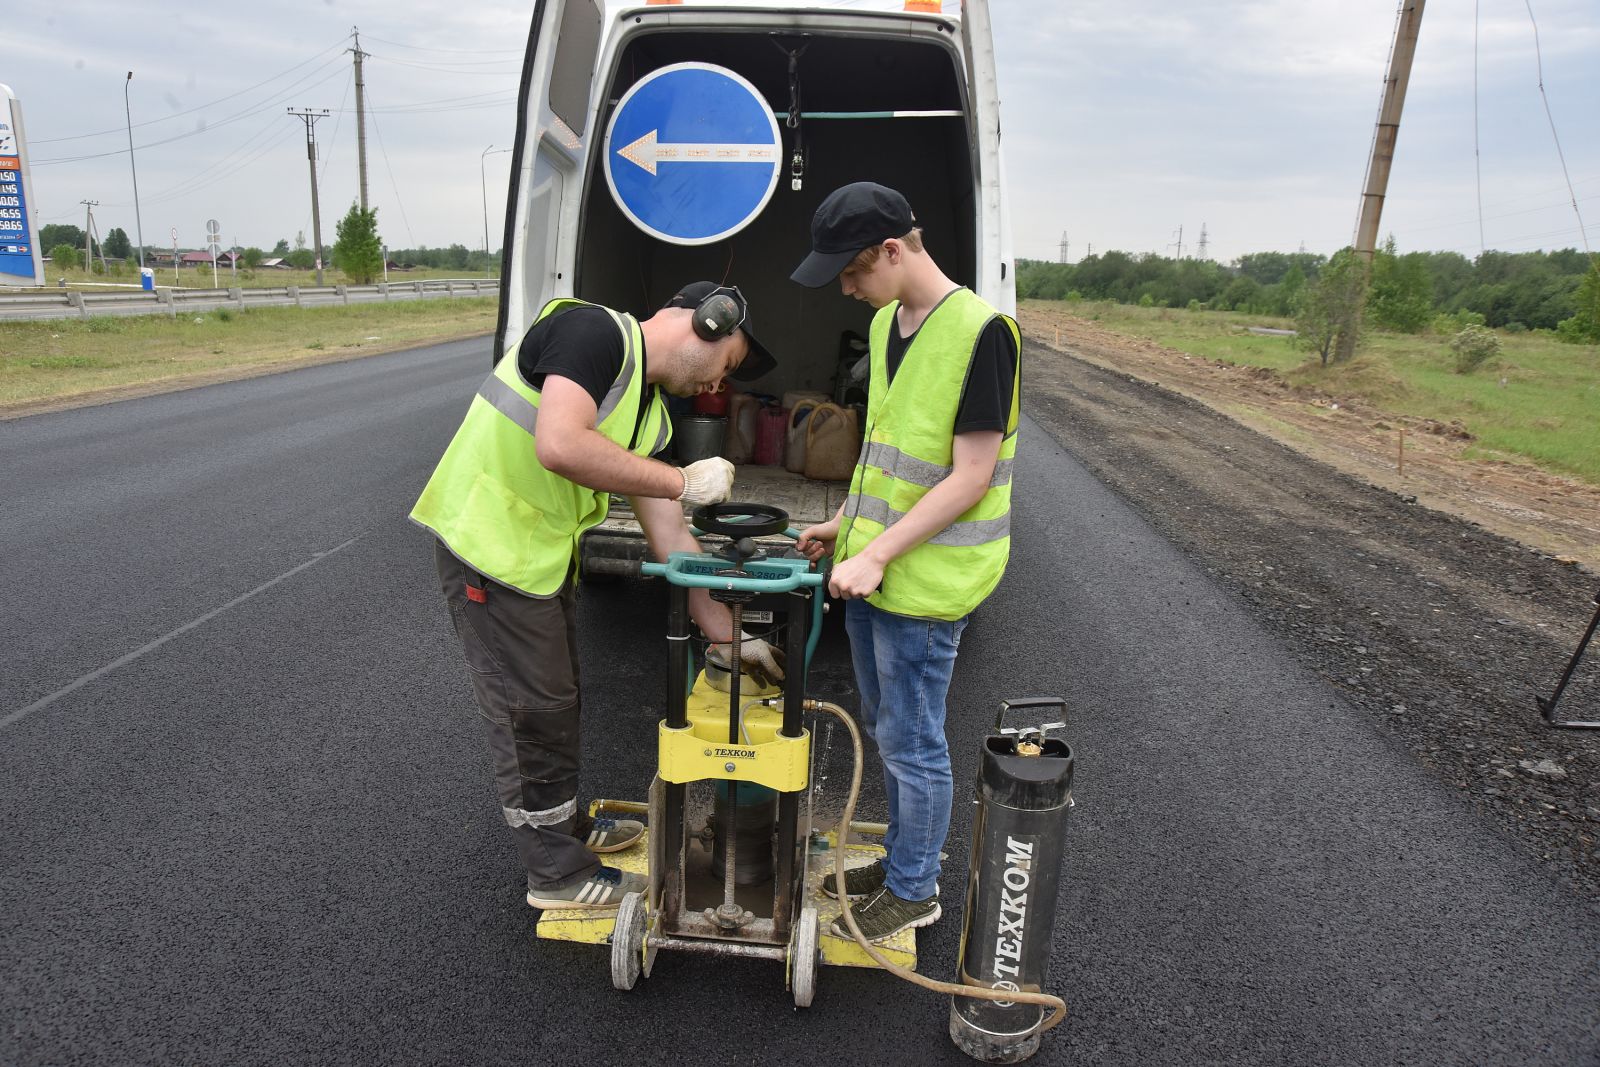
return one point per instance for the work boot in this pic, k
(858, 881)
(604, 889)
(606, 834)
(882, 915)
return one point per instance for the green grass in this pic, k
(1539, 400)
(63, 358)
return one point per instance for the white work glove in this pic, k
(757, 659)
(707, 481)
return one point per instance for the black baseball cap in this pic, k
(758, 361)
(853, 218)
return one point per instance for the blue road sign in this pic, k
(20, 260)
(692, 153)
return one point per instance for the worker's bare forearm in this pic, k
(591, 459)
(666, 532)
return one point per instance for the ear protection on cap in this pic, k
(719, 314)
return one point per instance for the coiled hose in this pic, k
(1057, 1006)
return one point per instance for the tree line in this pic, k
(356, 249)
(1407, 292)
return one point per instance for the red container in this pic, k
(712, 403)
(772, 426)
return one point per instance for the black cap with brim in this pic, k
(820, 268)
(757, 361)
(852, 218)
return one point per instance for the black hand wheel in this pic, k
(741, 520)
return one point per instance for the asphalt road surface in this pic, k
(246, 817)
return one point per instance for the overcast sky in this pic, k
(1122, 120)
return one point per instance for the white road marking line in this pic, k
(80, 682)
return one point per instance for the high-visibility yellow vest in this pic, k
(490, 501)
(908, 450)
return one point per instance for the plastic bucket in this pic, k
(699, 437)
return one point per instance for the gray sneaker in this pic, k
(604, 888)
(882, 915)
(858, 881)
(612, 835)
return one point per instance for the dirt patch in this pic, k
(1409, 456)
(1435, 625)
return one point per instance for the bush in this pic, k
(1474, 346)
(1194, 305)
(1147, 301)
(65, 257)
(1454, 322)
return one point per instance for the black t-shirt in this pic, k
(986, 395)
(582, 344)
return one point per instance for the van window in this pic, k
(572, 72)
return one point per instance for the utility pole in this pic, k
(361, 115)
(1388, 129)
(1065, 246)
(310, 117)
(1180, 241)
(1381, 159)
(88, 229)
(1203, 241)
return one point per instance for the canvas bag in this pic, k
(740, 443)
(833, 441)
(794, 457)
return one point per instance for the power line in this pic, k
(513, 70)
(1477, 157)
(392, 183)
(279, 97)
(192, 110)
(452, 51)
(1539, 59)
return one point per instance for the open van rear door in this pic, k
(553, 132)
(996, 280)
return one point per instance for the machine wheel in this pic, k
(804, 958)
(627, 942)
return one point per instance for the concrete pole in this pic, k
(310, 117)
(361, 117)
(1388, 130)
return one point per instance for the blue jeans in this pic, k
(903, 668)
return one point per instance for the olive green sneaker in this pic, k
(858, 881)
(604, 888)
(606, 834)
(882, 915)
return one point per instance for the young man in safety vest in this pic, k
(573, 413)
(924, 535)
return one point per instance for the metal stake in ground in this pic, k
(1547, 707)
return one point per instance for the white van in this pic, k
(900, 92)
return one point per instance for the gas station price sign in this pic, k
(20, 257)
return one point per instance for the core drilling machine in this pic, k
(734, 867)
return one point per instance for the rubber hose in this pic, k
(1057, 1006)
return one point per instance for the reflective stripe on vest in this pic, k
(496, 507)
(909, 449)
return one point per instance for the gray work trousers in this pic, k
(522, 655)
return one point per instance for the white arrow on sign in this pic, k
(647, 153)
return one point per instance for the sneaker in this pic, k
(604, 888)
(613, 835)
(858, 881)
(882, 915)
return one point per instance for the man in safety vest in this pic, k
(924, 535)
(571, 414)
